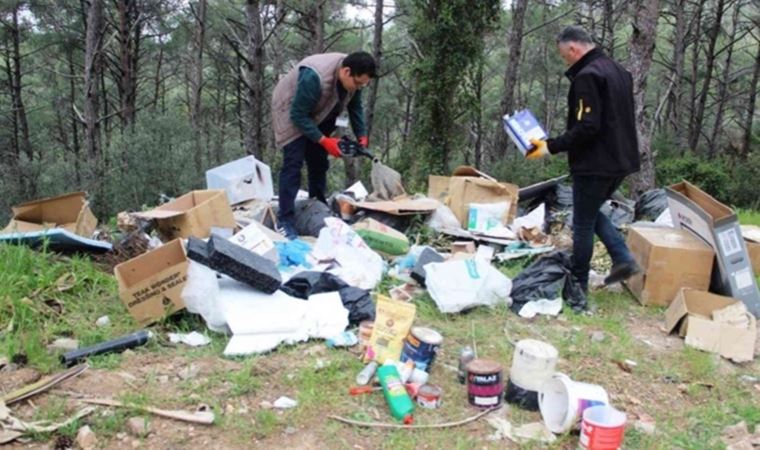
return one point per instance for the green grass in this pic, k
(692, 395)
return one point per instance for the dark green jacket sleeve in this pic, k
(356, 115)
(308, 92)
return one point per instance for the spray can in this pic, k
(366, 374)
(465, 356)
(398, 399)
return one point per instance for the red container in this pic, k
(602, 428)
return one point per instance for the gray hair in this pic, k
(574, 34)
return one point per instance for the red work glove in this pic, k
(331, 146)
(364, 141)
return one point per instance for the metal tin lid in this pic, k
(483, 366)
(429, 390)
(427, 335)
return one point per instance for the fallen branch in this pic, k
(42, 385)
(199, 417)
(43, 426)
(412, 427)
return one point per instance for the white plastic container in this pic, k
(562, 401)
(533, 363)
(243, 179)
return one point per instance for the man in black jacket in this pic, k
(601, 145)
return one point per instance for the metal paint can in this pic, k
(485, 383)
(365, 332)
(421, 346)
(429, 396)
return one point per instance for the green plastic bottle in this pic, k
(395, 394)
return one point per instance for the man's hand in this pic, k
(539, 149)
(331, 146)
(364, 141)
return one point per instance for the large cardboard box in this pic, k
(69, 211)
(468, 185)
(716, 224)
(150, 285)
(670, 259)
(243, 179)
(193, 214)
(691, 314)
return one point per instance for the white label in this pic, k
(743, 278)
(341, 122)
(486, 401)
(729, 242)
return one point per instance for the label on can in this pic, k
(429, 396)
(421, 346)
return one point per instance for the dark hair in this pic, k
(360, 63)
(574, 34)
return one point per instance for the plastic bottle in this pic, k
(465, 356)
(363, 377)
(398, 399)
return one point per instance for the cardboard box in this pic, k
(69, 211)
(193, 214)
(150, 285)
(468, 185)
(243, 179)
(382, 238)
(717, 225)
(670, 259)
(254, 238)
(751, 235)
(690, 314)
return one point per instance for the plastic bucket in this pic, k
(533, 363)
(602, 428)
(562, 401)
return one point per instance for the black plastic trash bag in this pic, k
(620, 213)
(548, 277)
(651, 204)
(357, 301)
(310, 216)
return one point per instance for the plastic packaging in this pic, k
(465, 356)
(398, 399)
(394, 319)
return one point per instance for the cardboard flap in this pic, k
(751, 233)
(469, 171)
(675, 312)
(158, 214)
(149, 264)
(702, 200)
(71, 210)
(402, 207)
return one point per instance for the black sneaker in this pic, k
(621, 272)
(288, 230)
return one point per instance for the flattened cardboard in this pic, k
(69, 211)
(716, 224)
(751, 234)
(690, 314)
(150, 285)
(670, 259)
(468, 185)
(402, 206)
(193, 214)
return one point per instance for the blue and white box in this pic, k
(522, 126)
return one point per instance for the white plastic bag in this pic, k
(443, 218)
(357, 264)
(484, 217)
(459, 285)
(201, 296)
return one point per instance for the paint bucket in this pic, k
(485, 384)
(533, 363)
(429, 396)
(602, 428)
(421, 346)
(562, 401)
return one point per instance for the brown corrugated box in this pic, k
(69, 211)
(193, 214)
(468, 185)
(694, 315)
(150, 285)
(670, 259)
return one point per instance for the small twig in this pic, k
(412, 427)
(472, 333)
(42, 385)
(200, 417)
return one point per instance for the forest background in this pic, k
(132, 99)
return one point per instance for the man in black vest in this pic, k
(601, 145)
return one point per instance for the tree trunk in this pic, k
(753, 88)
(75, 146)
(254, 80)
(157, 78)
(641, 50)
(675, 96)
(695, 130)
(316, 23)
(92, 71)
(514, 43)
(723, 83)
(608, 28)
(196, 81)
(25, 144)
(124, 9)
(377, 53)
(16, 152)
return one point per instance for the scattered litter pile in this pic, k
(215, 253)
